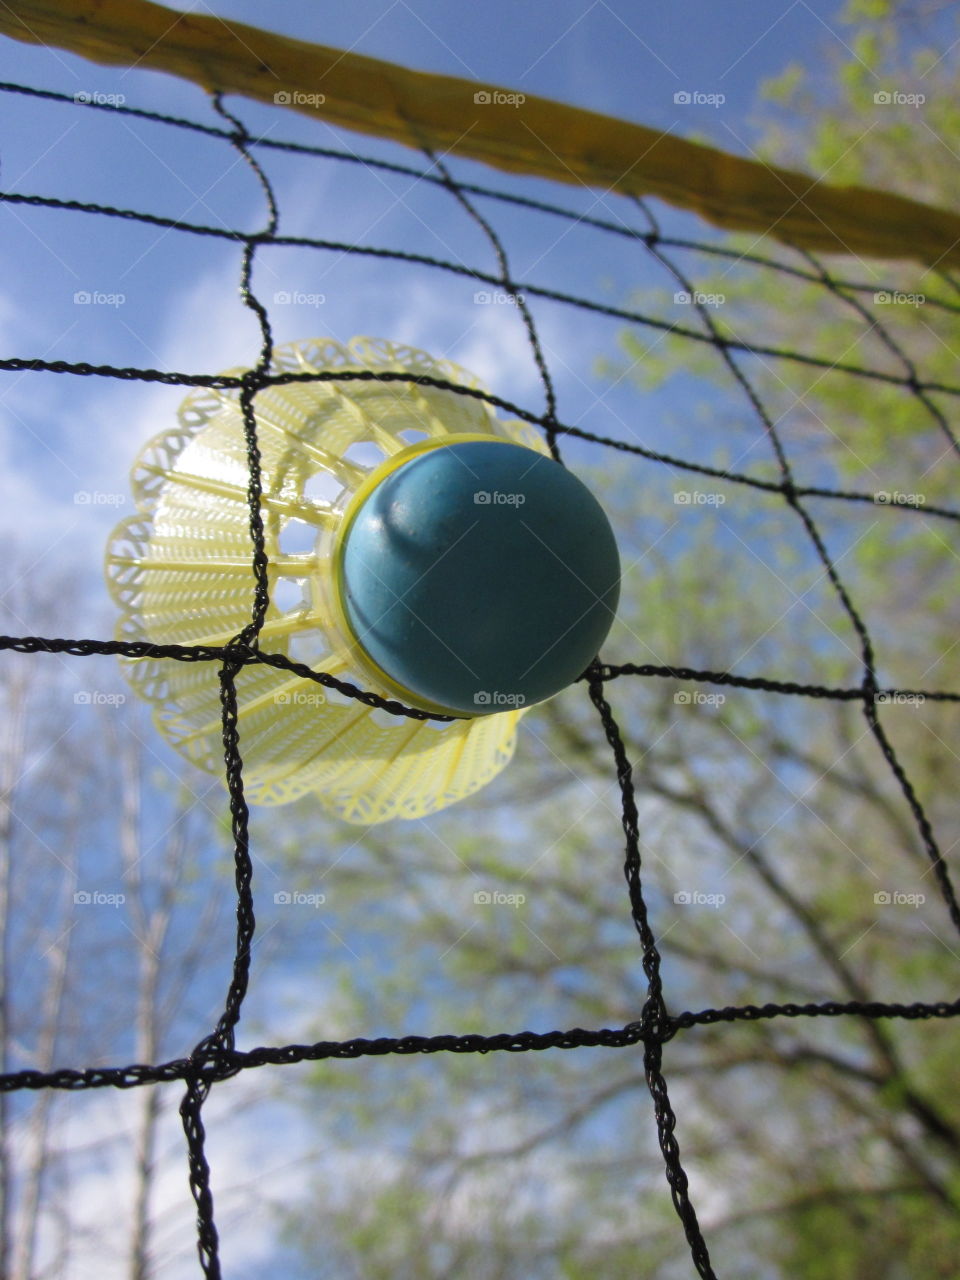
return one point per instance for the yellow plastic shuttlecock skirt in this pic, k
(181, 572)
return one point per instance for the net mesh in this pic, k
(215, 1058)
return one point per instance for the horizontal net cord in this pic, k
(232, 382)
(214, 1065)
(604, 671)
(224, 1064)
(239, 654)
(513, 286)
(561, 142)
(919, 1011)
(647, 238)
(611, 671)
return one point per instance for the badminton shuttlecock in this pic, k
(418, 546)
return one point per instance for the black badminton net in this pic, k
(215, 1058)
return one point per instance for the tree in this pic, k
(103, 933)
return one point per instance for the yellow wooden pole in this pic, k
(511, 131)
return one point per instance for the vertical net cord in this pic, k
(550, 418)
(654, 1015)
(656, 1023)
(222, 1039)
